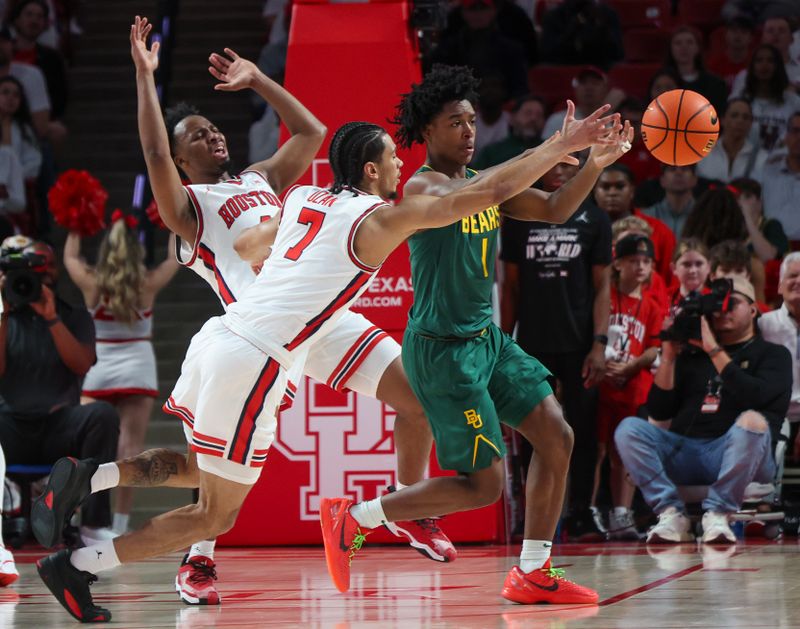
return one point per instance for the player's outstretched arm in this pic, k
(558, 206)
(173, 204)
(387, 227)
(292, 159)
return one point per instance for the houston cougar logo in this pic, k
(358, 456)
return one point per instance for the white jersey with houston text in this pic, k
(224, 210)
(311, 277)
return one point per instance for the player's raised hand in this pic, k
(146, 60)
(606, 154)
(594, 129)
(232, 71)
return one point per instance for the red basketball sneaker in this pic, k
(424, 536)
(546, 585)
(343, 537)
(195, 581)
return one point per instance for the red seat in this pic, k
(645, 44)
(705, 14)
(654, 13)
(553, 83)
(633, 78)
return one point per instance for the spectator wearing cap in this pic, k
(513, 22)
(715, 409)
(782, 326)
(781, 182)
(613, 193)
(735, 154)
(776, 32)
(591, 91)
(481, 45)
(582, 31)
(733, 57)
(555, 292)
(685, 56)
(525, 131)
(634, 323)
(673, 210)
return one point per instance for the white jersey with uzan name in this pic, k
(311, 277)
(224, 210)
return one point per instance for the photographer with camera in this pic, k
(46, 348)
(717, 403)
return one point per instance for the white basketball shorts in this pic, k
(227, 396)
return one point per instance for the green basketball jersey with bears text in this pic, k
(452, 270)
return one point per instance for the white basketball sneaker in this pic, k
(716, 529)
(673, 528)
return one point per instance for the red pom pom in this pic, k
(78, 202)
(154, 216)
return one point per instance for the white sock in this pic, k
(620, 511)
(204, 548)
(535, 553)
(398, 486)
(96, 558)
(369, 513)
(120, 524)
(106, 477)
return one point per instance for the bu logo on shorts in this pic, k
(473, 419)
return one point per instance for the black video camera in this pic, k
(23, 271)
(686, 323)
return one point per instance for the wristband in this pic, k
(714, 351)
(51, 322)
(601, 338)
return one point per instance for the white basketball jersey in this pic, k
(311, 277)
(224, 210)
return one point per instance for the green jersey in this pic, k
(452, 270)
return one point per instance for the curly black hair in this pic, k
(443, 84)
(353, 145)
(173, 116)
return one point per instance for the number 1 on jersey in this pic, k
(312, 218)
(484, 251)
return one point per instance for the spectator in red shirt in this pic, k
(634, 323)
(654, 287)
(690, 267)
(613, 193)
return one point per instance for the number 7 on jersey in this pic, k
(312, 218)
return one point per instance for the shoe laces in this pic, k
(356, 544)
(91, 579)
(201, 572)
(429, 524)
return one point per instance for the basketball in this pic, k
(680, 127)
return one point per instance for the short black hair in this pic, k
(443, 84)
(528, 98)
(172, 118)
(616, 167)
(353, 145)
(731, 255)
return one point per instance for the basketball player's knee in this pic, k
(217, 520)
(752, 421)
(487, 485)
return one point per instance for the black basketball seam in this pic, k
(650, 126)
(666, 117)
(677, 124)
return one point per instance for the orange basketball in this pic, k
(680, 127)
